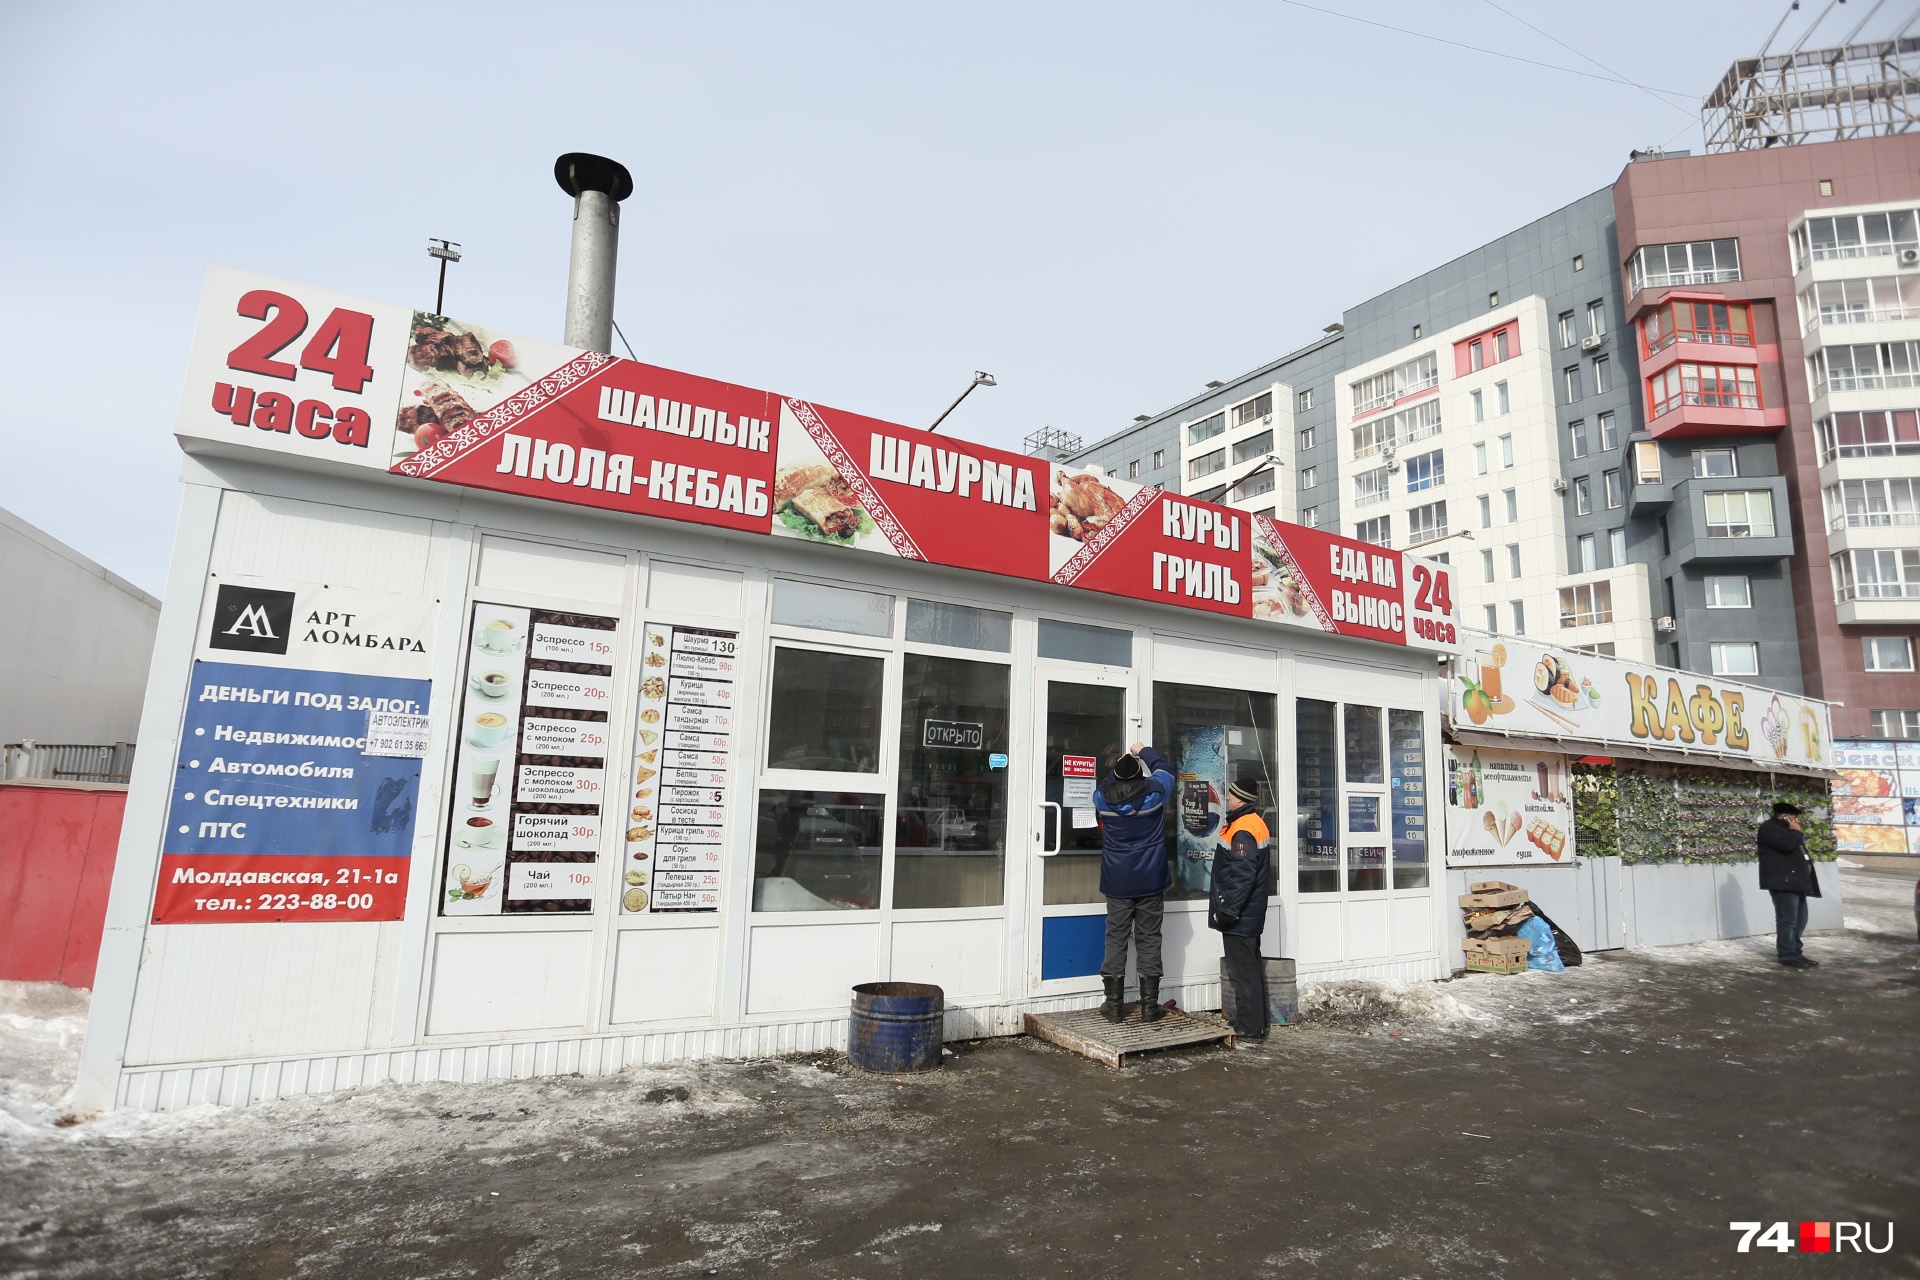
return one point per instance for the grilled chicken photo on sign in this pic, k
(1082, 506)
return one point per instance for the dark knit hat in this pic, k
(1247, 789)
(1127, 767)
(1782, 808)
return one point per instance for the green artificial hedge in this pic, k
(1650, 813)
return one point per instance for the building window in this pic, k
(1206, 464)
(1133, 469)
(1480, 458)
(1476, 358)
(1382, 389)
(1609, 432)
(1254, 486)
(825, 711)
(1506, 452)
(1729, 591)
(1426, 524)
(1371, 486)
(1479, 405)
(1873, 504)
(1261, 406)
(1869, 435)
(1486, 569)
(1255, 446)
(1877, 298)
(1501, 345)
(1159, 459)
(1726, 323)
(1206, 428)
(1589, 553)
(1586, 605)
(1579, 262)
(1597, 319)
(1617, 544)
(1734, 658)
(1577, 437)
(1307, 477)
(1500, 400)
(1646, 462)
(1416, 332)
(1664, 266)
(1493, 619)
(1306, 400)
(1571, 376)
(1738, 514)
(1519, 609)
(1602, 375)
(1717, 386)
(1866, 366)
(1416, 422)
(1513, 559)
(1310, 517)
(1426, 471)
(1888, 653)
(1265, 511)
(1513, 504)
(1486, 512)
(1378, 530)
(1568, 336)
(1876, 575)
(1493, 300)
(1582, 496)
(1894, 724)
(1714, 464)
(1616, 493)
(1855, 235)
(1307, 439)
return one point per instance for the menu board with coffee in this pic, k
(531, 770)
(683, 754)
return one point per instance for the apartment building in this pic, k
(1677, 420)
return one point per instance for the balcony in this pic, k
(1854, 610)
(1694, 540)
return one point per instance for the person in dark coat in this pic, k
(1237, 905)
(1786, 871)
(1131, 804)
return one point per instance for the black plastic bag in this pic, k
(1564, 943)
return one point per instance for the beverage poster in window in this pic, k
(531, 763)
(1200, 775)
(1507, 809)
(682, 770)
(1406, 775)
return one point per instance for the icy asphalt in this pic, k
(1610, 1121)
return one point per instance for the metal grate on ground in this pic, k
(1085, 1032)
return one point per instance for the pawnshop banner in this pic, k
(312, 374)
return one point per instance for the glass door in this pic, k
(1084, 723)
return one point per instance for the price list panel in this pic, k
(1316, 795)
(1406, 761)
(682, 769)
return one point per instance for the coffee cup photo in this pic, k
(497, 635)
(480, 833)
(483, 781)
(488, 729)
(493, 685)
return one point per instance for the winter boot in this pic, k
(1150, 1010)
(1114, 1008)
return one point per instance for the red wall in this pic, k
(57, 846)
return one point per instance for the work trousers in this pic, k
(1789, 920)
(1140, 918)
(1248, 975)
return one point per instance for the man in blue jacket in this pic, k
(1135, 875)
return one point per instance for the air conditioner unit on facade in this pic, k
(1593, 342)
(1910, 258)
(1560, 484)
(1663, 624)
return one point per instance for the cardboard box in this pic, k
(1493, 901)
(1495, 964)
(1499, 921)
(1491, 886)
(1496, 947)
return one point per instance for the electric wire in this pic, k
(1811, 28)
(1651, 93)
(625, 343)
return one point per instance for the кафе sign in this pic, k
(305, 372)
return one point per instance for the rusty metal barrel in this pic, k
(896, 1026)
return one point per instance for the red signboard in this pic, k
(514, 415)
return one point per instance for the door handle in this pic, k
(1059, 832)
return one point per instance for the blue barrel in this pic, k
(896, 1026)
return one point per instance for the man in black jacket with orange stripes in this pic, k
(1237, 905)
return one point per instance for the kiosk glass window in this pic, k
(1406, 766)
(1211, 737)
(808, 604)
(1317, 794)
(825, 711)
(1364, 763)
(1082, 720)
(1079, 642)
(950, 816)
(959, 626)
(818, 851)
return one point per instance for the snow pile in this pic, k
(41, 1026)
(1366, 1004)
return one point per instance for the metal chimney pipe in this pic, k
(597, 186)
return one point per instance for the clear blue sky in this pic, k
(1103, 204)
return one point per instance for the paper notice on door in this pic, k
(1084, 817)
(1076, 793)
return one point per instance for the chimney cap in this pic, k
(579, 171)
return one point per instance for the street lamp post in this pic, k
(447, 251)
(980, 379)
